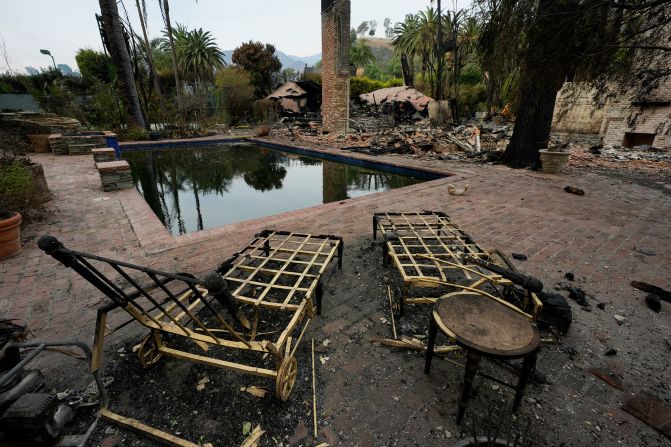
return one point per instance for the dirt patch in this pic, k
(166, 397)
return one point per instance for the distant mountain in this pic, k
(310, 60)
(295, 62)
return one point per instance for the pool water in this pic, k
(194, 188)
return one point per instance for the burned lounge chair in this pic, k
(432, 254)
(260, 301)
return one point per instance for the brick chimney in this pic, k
(335, 65)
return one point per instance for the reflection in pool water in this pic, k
(191, 189)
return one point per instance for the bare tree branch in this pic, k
(642, 47)
(5, 55)
(637, 5)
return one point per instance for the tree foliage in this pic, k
(235, 93)
(198, 55)
(617, 46)
(360, 55)
(388, 28)
(416, 38)
(93, 65)
(260, 62)
(363, 28)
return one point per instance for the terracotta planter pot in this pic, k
(40, 142)
(10, 236)
(552, 161)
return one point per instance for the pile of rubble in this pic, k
(644, 159)
(475, 141)
(404, 103)
(482, 141)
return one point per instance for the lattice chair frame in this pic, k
(211, 312)
(429, 250)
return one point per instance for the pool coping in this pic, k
(155, 238)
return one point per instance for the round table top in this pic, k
(480, 323)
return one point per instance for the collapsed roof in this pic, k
(402, 94)
(296, 96)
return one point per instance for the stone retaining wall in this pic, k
(115, 175)
(81, 149)
(78, 144)
(103, 154)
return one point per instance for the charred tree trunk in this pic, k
(545, 68)
(490, 96)
(532, 126)
(122, 63)
(408, 75)
(150, 56)
(440, 56)
(173, 54)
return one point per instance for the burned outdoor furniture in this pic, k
(266, 289)
(31, 416)
(485, 326)
(431, 252)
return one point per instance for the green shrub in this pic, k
(359, 86)
(266, 111)
(472, 98)
(471, 74)
(235, 94)
(16, 186)
(314, 76)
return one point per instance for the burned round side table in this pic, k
(485, 327)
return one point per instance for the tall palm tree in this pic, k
(404, 46)
(469, 35)
(360, 55)
(142, 13)
(418, 37)
(116, 44)
(165, 11)
(198, 54)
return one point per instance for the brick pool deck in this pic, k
(593, 236)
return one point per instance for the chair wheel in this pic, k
(149, 354)
(286, 378)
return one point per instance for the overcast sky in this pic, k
(293, 26)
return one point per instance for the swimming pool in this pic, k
(191, 188)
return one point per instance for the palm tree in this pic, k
(469, 35)
(418, 37)
(403, 41)
(198, 54)
(142, 12)
(165, 11)
(116, 44)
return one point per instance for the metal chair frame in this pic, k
(425, 246)
(278, 272)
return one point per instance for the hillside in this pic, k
(381, 48)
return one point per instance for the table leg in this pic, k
(528, 366)
(472, 363)
(433, 330)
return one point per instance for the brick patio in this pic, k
(592, 236)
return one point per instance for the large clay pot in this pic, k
(40, 142)
(10, 236)
(552, 161)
